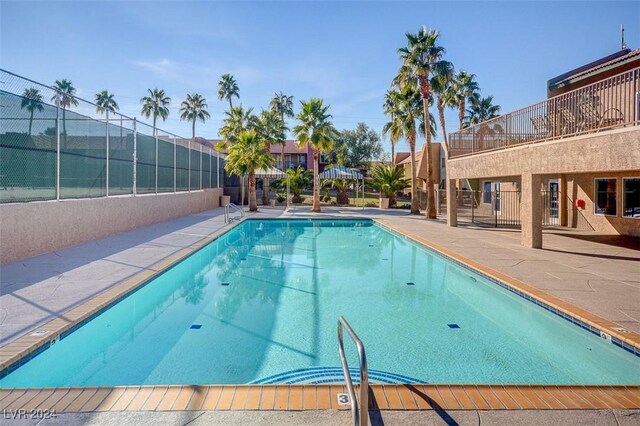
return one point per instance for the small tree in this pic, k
(246, 156)
(299, 179)
(389, 180)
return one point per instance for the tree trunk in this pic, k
(316, 183)
(155, 131)
(342, 198)
(415, 203)
(30, 122)
(461, 107)
(253, 204)
(393, 155)
(442, 124)
(425, 89)
(230, 104)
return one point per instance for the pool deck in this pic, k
(595, 277)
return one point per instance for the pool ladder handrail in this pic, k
(360, 409)
(227, 209)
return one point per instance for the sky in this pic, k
(344, 52)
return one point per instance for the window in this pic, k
(606, 196)
(324, 158)
(631, 197)
(302, 159)
(486, 192)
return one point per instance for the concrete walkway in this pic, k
(40, 288)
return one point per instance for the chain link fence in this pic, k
(56, 146)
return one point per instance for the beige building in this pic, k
(572, 160)
(438, 160)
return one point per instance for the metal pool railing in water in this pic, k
(359, 409)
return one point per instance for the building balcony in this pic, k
(607, 104)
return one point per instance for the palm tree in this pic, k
(422, 56)
(32, 101)
(441, 84)
(315, 128)
(271, 128)
(105, 101)
(299, 179)
(156, 105)
(192, 109)
(388, 180)
(481, 109)
(237, 120)
(405, 108)
(246, 156)
(228, 88)
(283, 105)
(64, 98)
(464, 87)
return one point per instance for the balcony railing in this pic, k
(606, 104)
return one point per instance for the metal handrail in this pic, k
(360, 411)
(227, 217)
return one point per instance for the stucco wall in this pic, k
(614, 150)
(582, 187)
(28, 229)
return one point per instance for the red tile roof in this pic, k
(290, 147)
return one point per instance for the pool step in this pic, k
(320, 375)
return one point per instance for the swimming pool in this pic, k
(260, 305)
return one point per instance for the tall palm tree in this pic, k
(236, 121)
(441, 84)
(480, 109)
(64, 98)
(283, 105)
(405, 107)
(246, 156)
(228, 88)
(315, 128)
(272, 130)
(192, 109)
(105, 102)
(156, 105)
(32, 101)
(422, 56)
(464, 88)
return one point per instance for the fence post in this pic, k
(218, 170)
(57, 150)
(175, 169)
(107, 159)
(189, 174)
(135, 156)
(200, 166)
(210, 171)
(156, 162)
(473, 204)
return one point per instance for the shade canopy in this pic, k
(271, 173)
(340, 172)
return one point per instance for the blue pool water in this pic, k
(261, 304)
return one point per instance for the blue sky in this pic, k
(344, 52)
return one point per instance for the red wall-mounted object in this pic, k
(580, 204)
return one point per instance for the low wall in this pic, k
(28, 229)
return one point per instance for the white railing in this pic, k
(227, 213)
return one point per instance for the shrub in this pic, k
(281, 198)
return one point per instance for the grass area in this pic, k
(370, 199)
